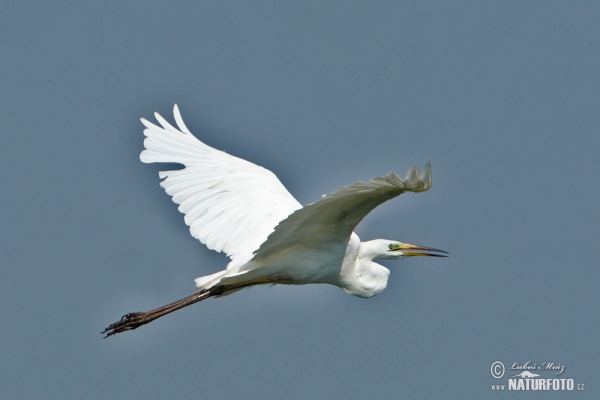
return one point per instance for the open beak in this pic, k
(423, 251)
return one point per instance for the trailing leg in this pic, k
(132, 321)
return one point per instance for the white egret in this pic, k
(243, 210)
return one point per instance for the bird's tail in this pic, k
(208, 281)
(234, 279)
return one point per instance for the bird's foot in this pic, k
(128, 322)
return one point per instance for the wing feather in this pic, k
(231, 205)
(333, 218)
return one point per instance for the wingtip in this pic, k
(412, 175)
(147, 124)
(418, 182)
(426, 175)
(179, 121)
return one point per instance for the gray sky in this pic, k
(501, 97)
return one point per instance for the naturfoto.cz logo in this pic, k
(531, 377)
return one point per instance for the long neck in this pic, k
(360, 276)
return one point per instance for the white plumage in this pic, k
(230, 204)
(237, 207)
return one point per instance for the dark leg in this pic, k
(134, 320)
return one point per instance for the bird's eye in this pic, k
(391, 246)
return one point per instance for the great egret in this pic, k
(239, 208)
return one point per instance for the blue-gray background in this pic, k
(502, 97)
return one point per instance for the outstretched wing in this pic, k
(230, 204)
(332, 219)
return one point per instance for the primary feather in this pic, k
(230, 204)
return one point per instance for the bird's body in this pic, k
(237, 207)
(341, 267)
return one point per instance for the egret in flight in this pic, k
(234, 206)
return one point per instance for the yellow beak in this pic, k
(422, 249)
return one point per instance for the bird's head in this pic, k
(389, 249)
